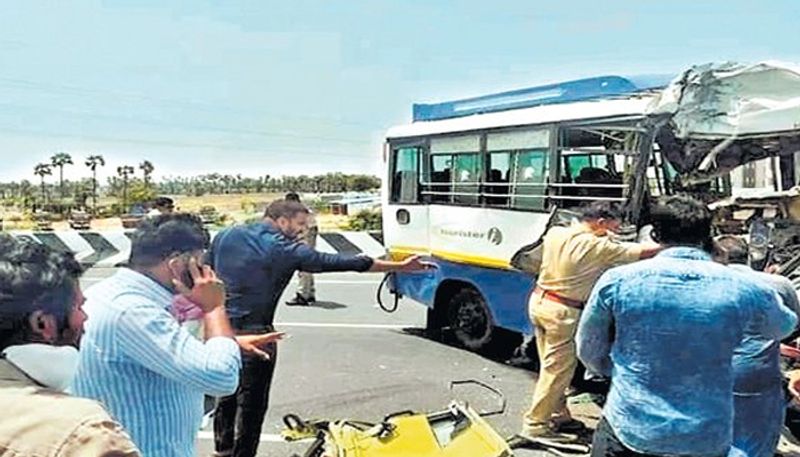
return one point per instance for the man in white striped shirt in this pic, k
(136, 359)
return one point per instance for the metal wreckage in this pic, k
(714, 119)
(707, 122)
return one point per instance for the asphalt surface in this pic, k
(347, 359)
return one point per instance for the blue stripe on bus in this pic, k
(506, 291)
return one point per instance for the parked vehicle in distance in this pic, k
(131, 220)
(44, 221)
(80, 220)
(209, 215)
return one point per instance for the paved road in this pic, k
(348, 359)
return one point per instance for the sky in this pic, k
(306, 87)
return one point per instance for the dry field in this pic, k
(236, 207)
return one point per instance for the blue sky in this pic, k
(277, 87)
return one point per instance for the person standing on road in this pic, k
(573, 258)
(758, 401)
(148, 370)
(257, 261)
(305, 289)
(41, 323)
(665, 330)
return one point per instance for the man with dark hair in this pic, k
(665, 330)
(41, 322)
(162, 205)
(305, 295)
(758, 404)
(137, 360)
(573, 258)
(257, 261)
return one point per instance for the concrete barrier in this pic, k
(112, 248)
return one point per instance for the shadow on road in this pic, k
(502, 353)
(327, 305)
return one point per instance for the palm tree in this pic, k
(147, 168)
(59, 160)
(26, 190)
(41, 170)
(93, 162)
(125, 172)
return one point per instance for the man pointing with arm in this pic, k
(256, 262)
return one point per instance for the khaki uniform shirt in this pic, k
(41, 422)
(574, 258)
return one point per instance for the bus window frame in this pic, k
(553, 189)
(625, 123)
(422, 145)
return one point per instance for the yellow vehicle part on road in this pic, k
(414, 437)
(456, 432)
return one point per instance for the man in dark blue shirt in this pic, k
(256, 262)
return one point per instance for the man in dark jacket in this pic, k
(256, 262)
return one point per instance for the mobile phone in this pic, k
(186, 275)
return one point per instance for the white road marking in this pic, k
(343, 325)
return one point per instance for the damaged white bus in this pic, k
(469, 182)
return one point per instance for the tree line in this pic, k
(135, 184)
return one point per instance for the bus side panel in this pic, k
(506, 291)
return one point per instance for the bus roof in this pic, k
(563, 92)
(590, 98)
(631, 105)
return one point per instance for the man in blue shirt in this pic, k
(256, 262)
(665, 331)
(759, 406)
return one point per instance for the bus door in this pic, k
(405, 219)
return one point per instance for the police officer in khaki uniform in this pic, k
(573, 259)
(305, 290)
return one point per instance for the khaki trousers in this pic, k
(306, 287)
(554, 326)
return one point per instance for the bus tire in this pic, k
(469, 319)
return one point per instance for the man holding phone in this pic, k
(150, 372)
(257, 261)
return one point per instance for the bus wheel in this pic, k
(469, 319)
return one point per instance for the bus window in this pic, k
(529, 185)
(454, 170)
(518, 168)
(440, 180)
(497, 179)
(405, 179)
(593, 163)
(466, 178)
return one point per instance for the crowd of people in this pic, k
(688, 335)
(137, 384)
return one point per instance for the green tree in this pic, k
(147, 169)
(125, 172)
(361, 183)
(60, 160)
(41, 170)
(366, 220)
(141, 192)
(25, 193)
(93, 162)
